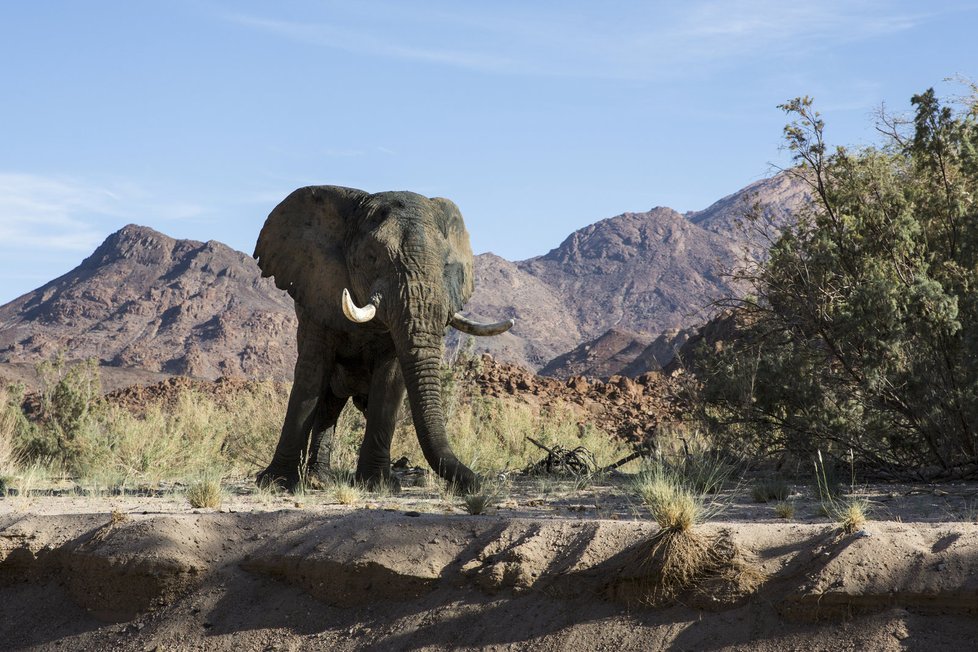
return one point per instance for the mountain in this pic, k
(612, 298)
(145, 300)
(647, 273)
(644, 272)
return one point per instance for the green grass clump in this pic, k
(479, 502)
(476, 504)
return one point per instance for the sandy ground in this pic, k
(549, 567)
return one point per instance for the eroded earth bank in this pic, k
(144, 575)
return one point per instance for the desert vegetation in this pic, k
(69, 431)
(860, 329)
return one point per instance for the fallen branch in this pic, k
(560, 461)
(641, 452)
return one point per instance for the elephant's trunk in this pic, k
(420, 365)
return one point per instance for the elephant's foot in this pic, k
(379, 482)
(280, 477)
(460, 479)
(465, 486)
(321, 474)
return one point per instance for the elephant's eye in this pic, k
(370, 254)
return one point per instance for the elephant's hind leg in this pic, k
(386, 395)
(324, 434)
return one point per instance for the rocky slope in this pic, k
(775, 198)
(661, 352)
(628, 408)
(598, 358)
(144, 300)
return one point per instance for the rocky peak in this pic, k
(620, 238)
(139, 244)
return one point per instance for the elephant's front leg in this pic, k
(314, 359)
(385, 398)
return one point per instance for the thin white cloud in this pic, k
(638, 40)
(364, 42)
(73, 215)
(750, 27)
(52, 213)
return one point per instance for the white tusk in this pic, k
(470, 327)
(354, 314)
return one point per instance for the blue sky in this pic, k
(536, 118)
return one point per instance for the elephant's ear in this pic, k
(302, 243)
(458, 253)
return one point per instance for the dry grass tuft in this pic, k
(784, 510)
(183, 433)
(8, 457)
(205, 492)
(852, 515)
(347, 494)
(673, 500)
(29, 480)
(685, 564)
(678, 557)
(490, 434)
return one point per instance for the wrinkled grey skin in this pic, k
(414, 254)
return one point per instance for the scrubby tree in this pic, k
(861, 331)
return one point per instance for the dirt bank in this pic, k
(320, 577)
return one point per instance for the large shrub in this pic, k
(861, 331)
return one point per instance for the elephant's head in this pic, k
(392, 261)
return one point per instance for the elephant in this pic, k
(376, 279)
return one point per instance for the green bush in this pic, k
(861, 330)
